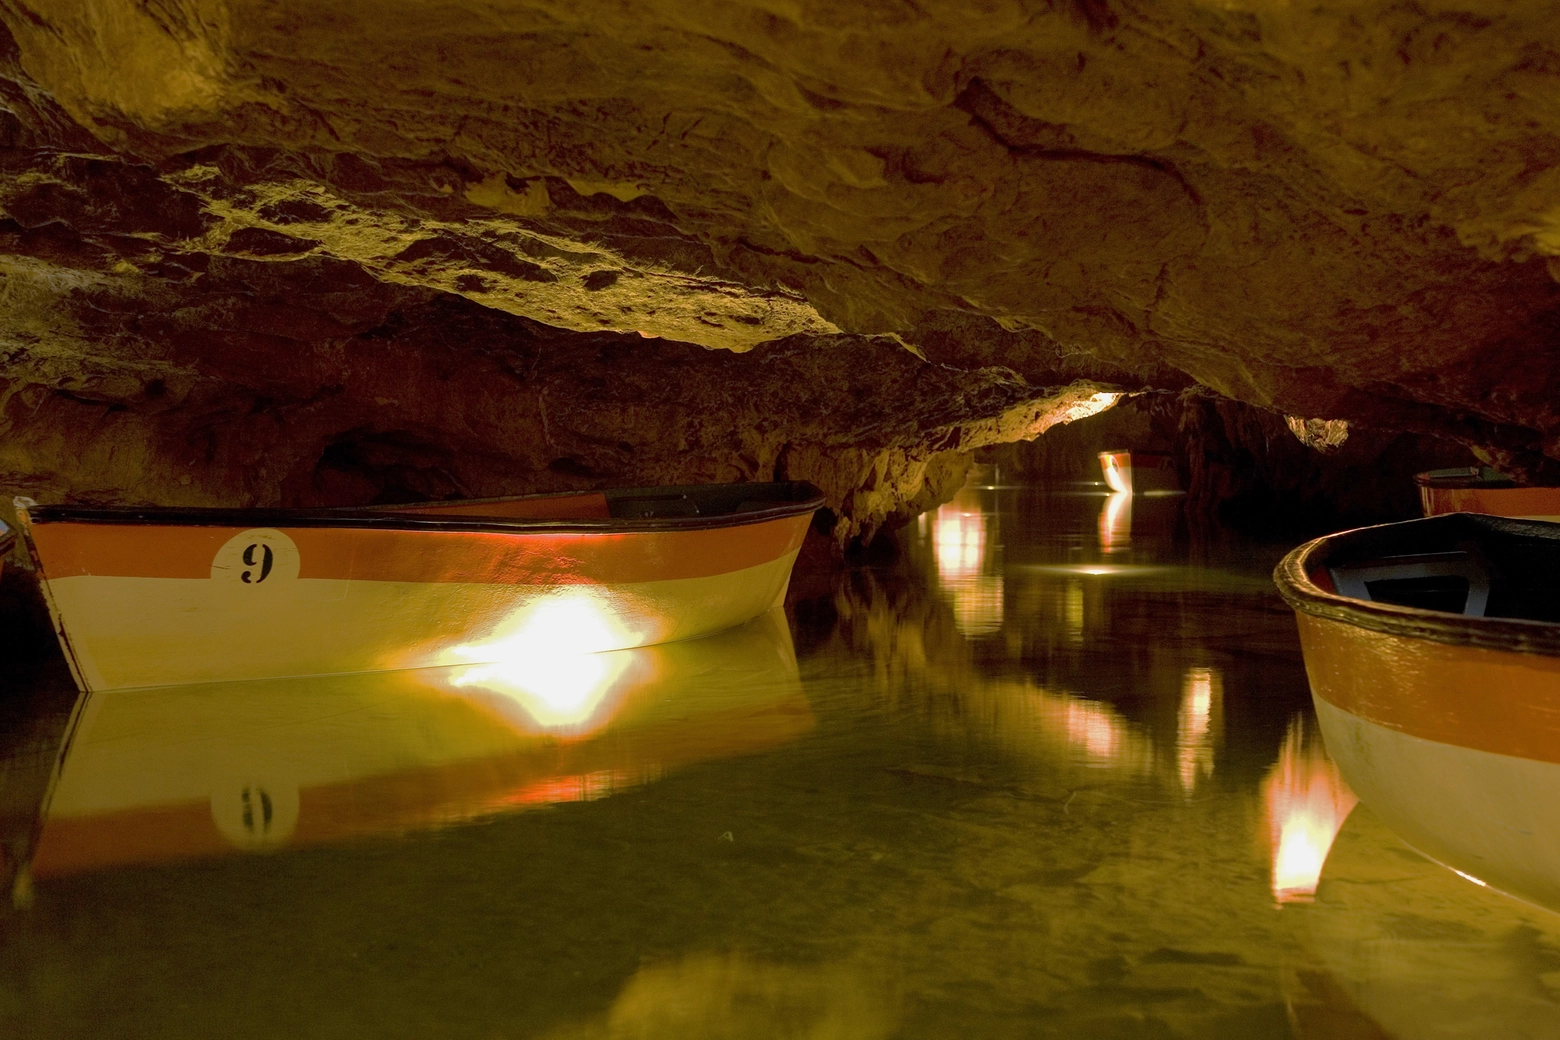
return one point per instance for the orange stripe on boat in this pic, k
(69, 549)
(1488, 700)
(156, 834)
(1509, 501)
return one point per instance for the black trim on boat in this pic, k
(7, 538)
(1519, 560)
(675, 508)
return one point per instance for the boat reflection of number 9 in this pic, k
(204, 770)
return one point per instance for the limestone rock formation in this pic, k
(295, 251)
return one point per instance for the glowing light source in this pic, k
(557, 693)
(1072, 611)
(1307, 802)
(549, 659)
(1120, 483)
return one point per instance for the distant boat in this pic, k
(1433, 651)
(7, 543)
(204, 770)
(1140, 471)
(154, 597)
(1479, 489)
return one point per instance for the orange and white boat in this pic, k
(152, 597)
(201, 770)
(1433, 651)
(1476, 489)
(1136, 472)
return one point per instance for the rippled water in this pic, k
(1052, 773)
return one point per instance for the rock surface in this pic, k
(295, 252)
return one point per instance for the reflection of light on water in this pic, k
(1196, 734)
(959, 539)
(1096, 570)
(959, 536)
(1093, 729)
(1307, 801)
(1072, 611)
(1116, 523)
(558, 692)
(977, 605)
(548, 660)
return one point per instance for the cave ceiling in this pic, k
(324, 251)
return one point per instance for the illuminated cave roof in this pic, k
(266, 251)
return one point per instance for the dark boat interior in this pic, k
(1463, 563)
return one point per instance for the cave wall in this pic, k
(292, 252)
(1242, 467)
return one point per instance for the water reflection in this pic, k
(1199, 725)
(1115, 529)
(194, 771)
(1306, 802)
(1067, 816)
(1396, 946)
(962, 531)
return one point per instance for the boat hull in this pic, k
(1527, 503)
(1456, 748)
(151, 604)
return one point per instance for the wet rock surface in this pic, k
(258, 253)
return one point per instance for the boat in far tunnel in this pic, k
(155, 597)
(1480, 489)
(1433, 652)
(7, 543)
(1137, 472)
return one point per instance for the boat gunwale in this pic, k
(1510, 635)
(1461, 480)
(386, 517)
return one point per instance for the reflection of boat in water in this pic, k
(1433, 651)
(1395, 946)
(176, 772)
(1472, 489)
(147, 597)
(1140, 471)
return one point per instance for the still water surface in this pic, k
(1051, 773)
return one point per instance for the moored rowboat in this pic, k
(1433, 652)
(152, 597)
(1484, 490)
(1139, 471)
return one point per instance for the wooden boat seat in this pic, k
(1457, 582)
